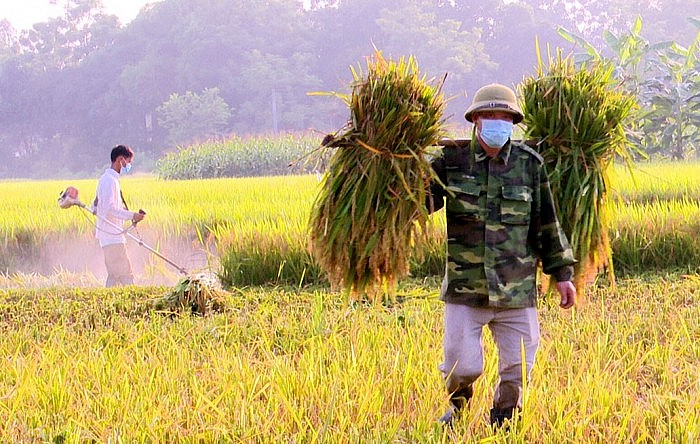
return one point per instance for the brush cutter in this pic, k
(69, 198)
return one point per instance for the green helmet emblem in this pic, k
(495, 97)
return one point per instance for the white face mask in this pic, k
(495, 132)
(126, 168)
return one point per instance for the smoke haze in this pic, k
(78, 262)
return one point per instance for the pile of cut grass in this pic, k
(198, 295)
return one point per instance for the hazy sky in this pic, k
(23, 14)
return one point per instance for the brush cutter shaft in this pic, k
(141, 243)
(138, 241)
(69, 198)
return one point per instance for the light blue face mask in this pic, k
(495, 132)
(126, 168)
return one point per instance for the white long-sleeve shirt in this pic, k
(111, 208)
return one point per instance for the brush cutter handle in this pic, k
(138, 217)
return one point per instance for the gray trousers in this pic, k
(118, 265)
(464, 354)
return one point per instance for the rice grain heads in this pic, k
(369, 216)
(579, 115)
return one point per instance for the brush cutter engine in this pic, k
(68, 198)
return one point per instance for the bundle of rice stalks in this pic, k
(369, 216)
(579, 115)
(197, 295)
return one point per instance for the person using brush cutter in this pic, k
(501, 225)
(112, 211)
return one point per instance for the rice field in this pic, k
(183, 218)
(653, 182)
(283, 365)
(293, 361)
(253, 231)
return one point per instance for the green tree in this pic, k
(275, 94)
(443, 45)
(671, 122)
(66, 41)
(664, 78)
(191, 117)
(9, 41)
(590, 18)
(413, 27)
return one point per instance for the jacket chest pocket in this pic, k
(467, 193)
(516, 204)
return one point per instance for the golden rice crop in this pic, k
(257, 228)
(280, 365)
(579, 116)
(370, 212)
(657, 181)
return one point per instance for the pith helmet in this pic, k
(495, 97)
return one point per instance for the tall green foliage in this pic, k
(238, 156)
(671, 121)
(663, 76)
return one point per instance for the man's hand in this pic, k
(567, 291)
(138, 217)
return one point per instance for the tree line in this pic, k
(185, 71)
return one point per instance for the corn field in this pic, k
(241, 157)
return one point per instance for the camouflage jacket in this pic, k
(501, 220)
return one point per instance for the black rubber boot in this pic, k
(458, 401)
(498, 416)
(449, 417)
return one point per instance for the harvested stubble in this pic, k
(579, 115)
(369, 216)
(197, 295)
